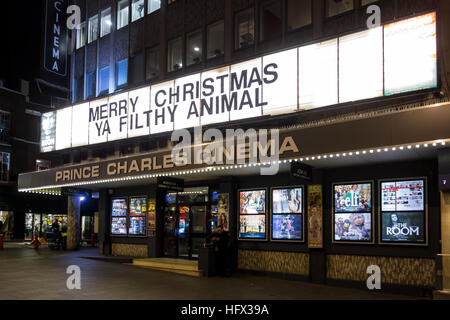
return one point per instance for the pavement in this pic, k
(28, 274)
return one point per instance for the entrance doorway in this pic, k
(187, 217)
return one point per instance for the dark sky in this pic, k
(21, 29)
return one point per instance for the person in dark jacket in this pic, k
(57, 232)
(220, 240)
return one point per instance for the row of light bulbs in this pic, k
(41, 190)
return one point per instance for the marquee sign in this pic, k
(344, 69)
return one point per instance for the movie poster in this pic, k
(353, 227)
(287, 201)
(119, 226)
(151, 215)
(252, 227)
(252, 202)
(220, 213)
(315, 217)
(403, 227)
(353, 198)
(138, 206)
(403, 195)
(137, 226)
(287, 227)
(119, 207)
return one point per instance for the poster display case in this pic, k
(252, 215)
(287, 219)
(352, 217)
(403, 212)
(119, 211)
(138, 216)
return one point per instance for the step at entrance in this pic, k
(185, 267)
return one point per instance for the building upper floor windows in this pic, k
(245, 28)
(81, 35)
(194, 47)
(336, 7)
(93, 29)
(106, 22)
(5, 158)
(78, 89)
(122, 14)
(298, 14)
(152, 63)
(215, 40)
(121, 73)
(270, 20)
(137, 9)
(90, 85)
(153, 5)
(5, 122)
(103, 81)
(174, 55)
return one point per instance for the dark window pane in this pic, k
(271, 20)
(215, 40)
(245, 28)
(298, 13)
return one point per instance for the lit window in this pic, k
(81, 35)
(93, 29)
(153, 5)
(106, 22)
(122, 14)
(137, 9)
(152, 63)
(103, 86)
(90, 85)
(5, 159)
(121, 73)
(4, 126)
(174, 59)
(194, 48)
(270, 20)
(335, 7)
(298, 13)
(215, 40)
(245, 28)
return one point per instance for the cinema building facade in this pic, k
(348, 167)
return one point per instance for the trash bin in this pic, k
(206, 260)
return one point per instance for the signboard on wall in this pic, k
(56, 37)
(284, 82)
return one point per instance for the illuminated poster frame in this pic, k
(254, 215)
(424, 212)
(142, 215)
(301, 214)
(371, 212)
(125, 199)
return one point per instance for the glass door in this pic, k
(198, 228)
(183, 231)
(170, 230)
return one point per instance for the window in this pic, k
(335, 7)
(137, 9)
(5, 158)
(153, 5)
(42, 165)
(270, 22)
(215, 40)
(298, 14)
(81, 35)
(136, 69)
(245, 28)
(366, 2)
(152, 63)
(106, 22)
(78, 89)
(90, 85)
(103, 85)
(122, 14)
(4, 126)
(93, 29)
(121, 73)
(194, 48)
(174, 59)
